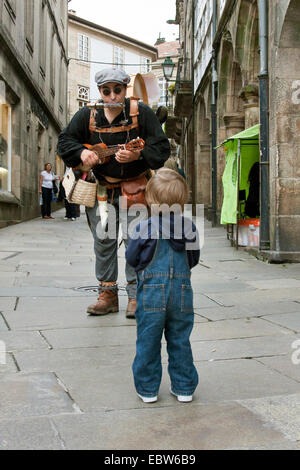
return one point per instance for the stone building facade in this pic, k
(225, 90)
(92, 48)
(33, 100)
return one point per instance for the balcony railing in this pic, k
(183, 94)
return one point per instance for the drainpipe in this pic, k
(194, 154)
(214, 180)
(264, 126)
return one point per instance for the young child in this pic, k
(158, 252)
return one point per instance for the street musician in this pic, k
(114, 120)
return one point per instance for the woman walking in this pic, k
(46, 189)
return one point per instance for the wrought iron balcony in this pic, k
(183, 94)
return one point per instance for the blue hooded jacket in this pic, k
(180, 232)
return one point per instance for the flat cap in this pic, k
(112, 75)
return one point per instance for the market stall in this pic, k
(240, 209)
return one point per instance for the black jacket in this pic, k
(155, 153)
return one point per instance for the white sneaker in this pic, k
(147, 399)
(73, 218)
(182, 398)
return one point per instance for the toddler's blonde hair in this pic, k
(167, 187)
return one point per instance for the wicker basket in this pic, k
(84, 193)
(79, 192)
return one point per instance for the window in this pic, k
(42, 40)
(81, 104)
(5, 141)
(29, 25)
(145, 65)
(83, 47)
(163, 91)
(118, 58)
(53, 63)
(83, 93)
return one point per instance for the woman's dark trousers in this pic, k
(47, 197)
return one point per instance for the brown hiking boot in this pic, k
(108, 302)
(131, 307)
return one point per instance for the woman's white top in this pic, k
(48, 179)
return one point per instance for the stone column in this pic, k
(234, 123)
(250, 97)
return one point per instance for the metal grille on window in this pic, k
(118, 58)
(145, 65)
(83, 47)
(83, 95)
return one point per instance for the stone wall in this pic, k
(238, 66)
(285, 127)
(33, 77)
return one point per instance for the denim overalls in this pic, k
(164, 303)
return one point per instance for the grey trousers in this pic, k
(106, 248)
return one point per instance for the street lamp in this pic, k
(168, 67)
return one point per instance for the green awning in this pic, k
(242, 158)
(249, 134)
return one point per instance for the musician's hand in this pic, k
(127, 156)
(89, 159)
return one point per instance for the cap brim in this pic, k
(111, 81)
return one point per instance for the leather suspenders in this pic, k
(134, 112)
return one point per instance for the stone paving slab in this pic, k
(288, 320)
(276, 445)
(3, 325)
(240, 379)
(203, 301)
(22, 340)
(70, 281)
(6, 254)
(47, 313)
(10, 279)
(282, 412)
(7, 303)
(9, 367)
(61, 258)
(6, 268)
(238, 298)
(91, 337)
(33, 394)
(219, 286)
(275, 284)
(38, 291)
(261, 347)
(222, 255)
(260, 309)
(64, 268)
(29, 434)
(236, 328)
(122, 335)
(221, 426)
(284, 364)
(56, 360)
(258, 347)
(219, 381)
(40, 313)
(250, 270)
